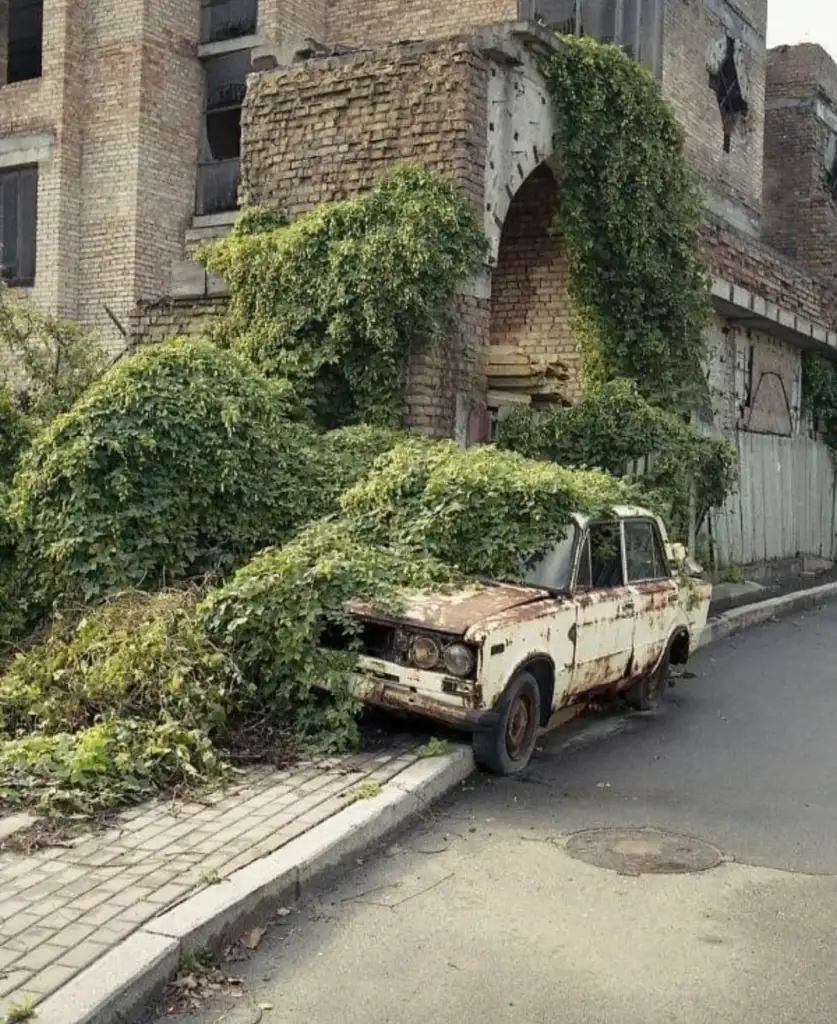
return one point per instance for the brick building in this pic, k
(116, 174)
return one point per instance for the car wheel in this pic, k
(647, 694)
(507, 747)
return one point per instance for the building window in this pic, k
(26, 39)
(219, 171)
(727, 81)
(18, 225)
(228, 19)
(635, 25)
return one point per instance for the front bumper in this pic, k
(411, 691)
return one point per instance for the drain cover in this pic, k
(642, 851)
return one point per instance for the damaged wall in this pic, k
(698, 79)
(800, 160)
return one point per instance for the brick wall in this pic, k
(166, 318)
(377, 22)
(690, 29)
(287, 22)
(800, 136)
(754, 265)
(530, 302)
(326, 129)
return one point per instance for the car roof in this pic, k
(621, 512)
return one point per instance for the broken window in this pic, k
(26, 38)
(831, 167)
(218, 174)
(18, 225)
(228, 19)
(635, 25)
(726, 79)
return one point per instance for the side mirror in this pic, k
(684, 562)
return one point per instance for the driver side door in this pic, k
(605, 610)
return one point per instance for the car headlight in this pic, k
(459, 660)
(425, 652)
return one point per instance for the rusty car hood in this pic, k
(454, 612)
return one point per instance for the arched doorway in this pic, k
(533, 355)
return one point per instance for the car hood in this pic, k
(454, 612)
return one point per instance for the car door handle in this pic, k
(627, 606)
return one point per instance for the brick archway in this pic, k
(533, 352)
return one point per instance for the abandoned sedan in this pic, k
(603, 612)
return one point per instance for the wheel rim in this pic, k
(519, 726)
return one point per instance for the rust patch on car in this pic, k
(387, 697)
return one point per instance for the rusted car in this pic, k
(608, 610)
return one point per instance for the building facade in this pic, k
(113, 177)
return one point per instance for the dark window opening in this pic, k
(18, 225)
(726, 85)
(600, 564)
(26, 40)
(228, 19)
(644, 553)
(831, 178)
(748, 376)
(219, 170)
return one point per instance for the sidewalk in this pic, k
(64, 907)
(93, 928)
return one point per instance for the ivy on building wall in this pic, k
(819, 395)
(629, 212)
(334, 301)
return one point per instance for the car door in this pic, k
(650, 577)
(605, 607)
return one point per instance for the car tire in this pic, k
(507, 747)
(648, 693)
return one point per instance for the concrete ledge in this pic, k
(129, 976)
(126, 980)
(738, 619)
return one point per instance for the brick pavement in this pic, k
(63, 907)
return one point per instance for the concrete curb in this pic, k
(738, 619)
(132, 975)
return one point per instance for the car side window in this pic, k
(644, 553)
(601, 558)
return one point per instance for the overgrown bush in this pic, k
(53, 360)
(630, 214)
(819, 395)
(481, 510)
(274, 613)
(344, 456)
(613, 426)
(334, 301)
(115, 705)
(181, 460)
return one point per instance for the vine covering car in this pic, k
(607, 610)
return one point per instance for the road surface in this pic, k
(479, 915)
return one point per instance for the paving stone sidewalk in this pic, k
(63, 907)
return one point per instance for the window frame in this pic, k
(656, 540)
(17, 279)
(585, 543)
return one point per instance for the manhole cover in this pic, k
(642, 851)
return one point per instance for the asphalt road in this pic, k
(479, 914)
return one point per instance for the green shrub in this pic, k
(54, 360)
(613, 426)
(345, 456)
(272, 615)
(115, 762)
(181, 460)
(108, 709)
(334, 301)
(481, 510)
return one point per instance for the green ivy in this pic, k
(334, 301)
(614, 426)
(819, 395)
(629, 213)
(53, 360)
(180, 460)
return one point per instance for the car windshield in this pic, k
(555, 568)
